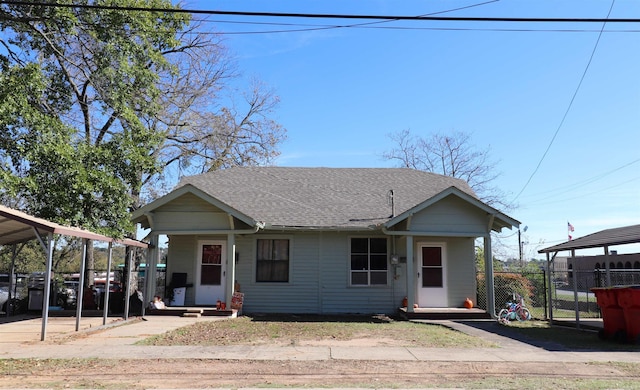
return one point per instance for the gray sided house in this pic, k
(324, 240)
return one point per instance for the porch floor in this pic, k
(192, 311)
(443, 313)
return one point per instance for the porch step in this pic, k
(443, 314)
(194, 312)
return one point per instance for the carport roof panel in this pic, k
(17, 227)
(608, 237)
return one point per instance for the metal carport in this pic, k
(17, 227)
(602, 239)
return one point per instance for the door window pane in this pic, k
(432, 256)
(211, 265)
(210, 275)
(432, 267)
(432, 277)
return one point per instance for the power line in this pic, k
(326, 16)
(328, 27)
(566, 113)
(553, 193)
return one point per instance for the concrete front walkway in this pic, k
(117, 339)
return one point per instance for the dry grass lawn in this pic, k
(312, 330)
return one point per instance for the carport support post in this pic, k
(47, 286)
(80, 294)
(575, 289)
(550, 273)
(127, 290)
(12, 274)
(411, 276)
(488, 267)
(606, 267)
(107, 285)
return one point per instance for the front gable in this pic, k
(450, 215)
(189, 212)
(452, 212)
(189, 209)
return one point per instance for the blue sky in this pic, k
(344, 90)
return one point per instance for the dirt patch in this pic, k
(196, 373)
(332, 373)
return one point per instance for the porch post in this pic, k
(488, 272)
(231, 268)
(411, 277)
(127, 294)
(149, 290)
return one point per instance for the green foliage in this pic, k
(497, 264)
(30, 259)
(77, 89)
(505, 285)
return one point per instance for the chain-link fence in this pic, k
(531, 286)
(572, 289)
(617, 277)
(571, 293)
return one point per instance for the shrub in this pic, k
(506, 284)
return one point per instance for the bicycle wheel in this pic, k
(503, 315)
(523, 314)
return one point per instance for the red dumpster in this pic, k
(612, 313)
(629, 300)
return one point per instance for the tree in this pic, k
(78, 85)
(452, 155)
(126, 94)
(96, 103)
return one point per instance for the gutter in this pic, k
(430, 233)
(257, 227)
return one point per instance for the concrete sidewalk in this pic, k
(117, 340)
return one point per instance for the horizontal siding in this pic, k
(299, 295)
(450, 215)
(319, 279)
(189, 212)
(337, 294)
(181, 258)
(461, 272)
(196, 220)
(319, 274)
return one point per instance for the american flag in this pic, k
(569, 227)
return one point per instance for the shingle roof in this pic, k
(608, 237)
(322, 197)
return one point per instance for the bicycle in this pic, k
(514, 311)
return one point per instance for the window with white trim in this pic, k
(369, 263)
(272, 260)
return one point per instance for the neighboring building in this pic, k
(324, 240)
(590, 271)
